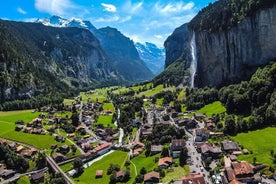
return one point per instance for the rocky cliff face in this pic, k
(230, 55)
(36, 59)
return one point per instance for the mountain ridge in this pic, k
(128, 63)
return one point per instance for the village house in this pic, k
(64, 149)
(29, 153)
(187, 122)
(229, 146)
(6, 173)
(60, 138)
(103, 148)
(154, 149)
(120, 175)
(210, 125)
(208, 151)
(151, 177)
(165, 162)
(19, 127)
(58, 157)
(193, 179)
(241, 171)
(176, 146)
(99, 174)
(146, 130)
(19, 148)
(37, 177)
(202, 135)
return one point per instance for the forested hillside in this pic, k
(255, 98)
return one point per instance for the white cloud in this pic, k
(109, 7)
(125, 19)
(173, 8)
(20, 10)
(55, 7)
(133, 8)
(108, 19)
(158, 36)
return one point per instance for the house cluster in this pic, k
(61, 152)
(99, 150)
(33, 127)
(88, 110)
(19, 149)
(137, 148)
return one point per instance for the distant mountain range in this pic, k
(118, 47)
(153, 56)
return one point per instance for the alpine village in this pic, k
(90, 106)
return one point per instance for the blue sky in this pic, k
(141, 20)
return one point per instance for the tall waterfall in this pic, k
(193, 67)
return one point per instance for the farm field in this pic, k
(106, 120)
(260, 142)
(108, 106)
(147, 162)
(88, 176)
(7, 122)
(100, 97)
(176, 173)
(213, 108)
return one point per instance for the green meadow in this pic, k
(213, 108)
(260, 142)
(88, 176)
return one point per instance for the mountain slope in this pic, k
(37, 59)
(119, 48)
(153, 56)
(233, 38)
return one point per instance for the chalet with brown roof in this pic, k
(151, 177)
(60, 138)
(165, 162)
(29, 153)
(241, 171)
(19, 127)
(19, 148)
(64, 149)
(193, 179)
(208, 151)
(99, 174)
(198, 145)
(6, 173)
(58, 157)
(137, 152)
(138, 145)
(176, 146)
(229, 146)
(86, 147)
(120, 175)
(12, 145)
(154, 149)
(187, 122)
(37, 177)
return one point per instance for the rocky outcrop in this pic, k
(227, 56)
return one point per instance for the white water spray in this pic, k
(193, 67)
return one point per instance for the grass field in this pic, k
(152, 92)
(147, 162)
(7, 123)
(182, 95)
(13, 116)
(108, 106)
(67, 167)
(213, 108)
(260, 142)
(177, 173)
(117, 157)
(100, 97)
(106, 121)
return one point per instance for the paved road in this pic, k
(196, 162)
